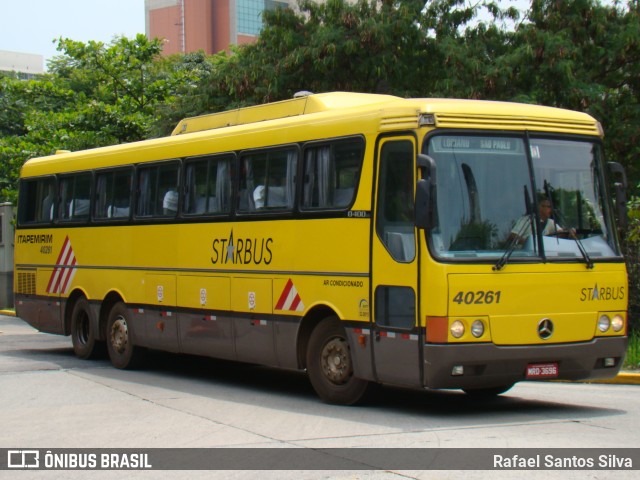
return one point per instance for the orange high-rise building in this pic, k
(209, 25)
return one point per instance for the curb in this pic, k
(623, 378)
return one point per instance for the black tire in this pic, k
(487, 392)
(83, 335)
(330, 366)
(122, 352)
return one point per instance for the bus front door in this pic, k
(396, 337)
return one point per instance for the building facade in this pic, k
(209, 25)
(25, 65)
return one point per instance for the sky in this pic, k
(30, 26)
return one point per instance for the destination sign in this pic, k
(457, 143)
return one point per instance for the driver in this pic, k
(548, 226)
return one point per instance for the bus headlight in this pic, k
(604, 323)
(457, 329)
(477, 328)
(617, 323)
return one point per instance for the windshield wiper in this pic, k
(583, 251)
(514, 240)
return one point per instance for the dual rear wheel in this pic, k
(122, 352)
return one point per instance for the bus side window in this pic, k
(157, 190)
(208, 186)
(395, 217)
(74, 197)
(267, 180)
(331, 174)
(37, 200)
(113, 194)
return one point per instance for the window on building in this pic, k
(249, 14)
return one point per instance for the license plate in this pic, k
(542, 370)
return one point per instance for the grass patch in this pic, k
(632, 362)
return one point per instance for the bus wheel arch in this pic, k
(80, 324)
(329, 364)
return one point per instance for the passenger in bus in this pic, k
(170, 203)
(258, 197)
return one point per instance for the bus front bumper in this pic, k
(483, 365)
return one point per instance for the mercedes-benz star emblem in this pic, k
(545, 328)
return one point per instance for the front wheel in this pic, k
(330, 366)
(122, 352)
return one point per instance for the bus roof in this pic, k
(449, 112)
(302, 105)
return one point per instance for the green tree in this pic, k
(94, 95)
(466, 54)
(190, 73)
(582, 55)
(116, 87)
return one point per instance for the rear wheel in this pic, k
(83, 335)
(330, 365)
(122, 352)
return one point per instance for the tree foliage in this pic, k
(94, 95)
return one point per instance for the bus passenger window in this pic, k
(74, 198)
(331, 173)
(157, 190)
(267, 181)
(208, 186)
(37, 200)
(113, 194)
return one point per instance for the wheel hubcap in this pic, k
(336, 361)
(119, 335)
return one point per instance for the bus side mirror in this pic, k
(620, 189)
(426, 193)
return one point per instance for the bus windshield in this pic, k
(528, 197)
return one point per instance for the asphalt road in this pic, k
(52, 400)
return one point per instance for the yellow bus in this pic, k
(425, 243)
